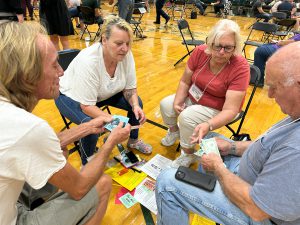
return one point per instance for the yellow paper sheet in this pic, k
(129, 180)
(199, 220)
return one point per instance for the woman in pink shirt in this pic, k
(210, 93)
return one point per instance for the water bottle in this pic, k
(87, 41)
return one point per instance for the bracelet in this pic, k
(232, 150)
(209, 125)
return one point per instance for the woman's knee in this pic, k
(166, 106)
(186, 119)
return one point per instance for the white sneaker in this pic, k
(184, 160)
(170, 138)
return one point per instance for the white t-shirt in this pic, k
(87, 81)
(29, 151)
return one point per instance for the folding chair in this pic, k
(183, 27)
(255, 77)
(138, 13)
(176, 6)
(277, 16)
(262, 30)
(285, 27)
(88, 18)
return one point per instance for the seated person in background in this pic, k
(264, 52)
(261, 187)
(210, 93)
(31, 151)
(94, 4)
(73, 10)
(201, 6)
(287, 6)
(259, 12)
(218, 7)
(103, 74)
(275, 7)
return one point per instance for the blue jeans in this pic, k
(200, 6)
(125, 8)
(175, 199)
(71, 109)
(261, 55)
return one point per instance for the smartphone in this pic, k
(132, 157)
(195, 178)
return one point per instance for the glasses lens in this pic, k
(226, 48)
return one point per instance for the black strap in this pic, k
(273, 222)
(147, 215)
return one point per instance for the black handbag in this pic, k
(193, 15)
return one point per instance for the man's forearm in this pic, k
(66, 137)
(238, 192)
(239, 148)
(131, 96)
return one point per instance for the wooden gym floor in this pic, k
(157, 78)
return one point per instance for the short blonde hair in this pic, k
(21, 63)
(110, 21)
(222, 27)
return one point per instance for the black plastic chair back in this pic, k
(88, 15)
(279, 15)
(65, 57)
(264, 26)
(254, 80)
(287, 23)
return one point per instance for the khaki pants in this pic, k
(187, 120)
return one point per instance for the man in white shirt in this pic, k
(29, 148)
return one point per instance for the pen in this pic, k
(134, 169)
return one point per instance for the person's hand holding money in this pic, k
(223, 146)
(199, 132)
(211, 161)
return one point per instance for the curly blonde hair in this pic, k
(21, 63)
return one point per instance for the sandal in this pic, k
(140, 146)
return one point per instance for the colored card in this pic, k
(128, 200)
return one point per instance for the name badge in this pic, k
(195, 92)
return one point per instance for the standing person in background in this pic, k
(27, 4)
(58, 22)
(11, 10)
(125, 8)
(159, 4)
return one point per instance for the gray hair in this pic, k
(222, 27)
(110, 21)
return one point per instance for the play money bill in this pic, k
(207, 146)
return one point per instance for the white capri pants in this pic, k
(188, 119)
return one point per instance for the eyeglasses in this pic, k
(218, 48)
